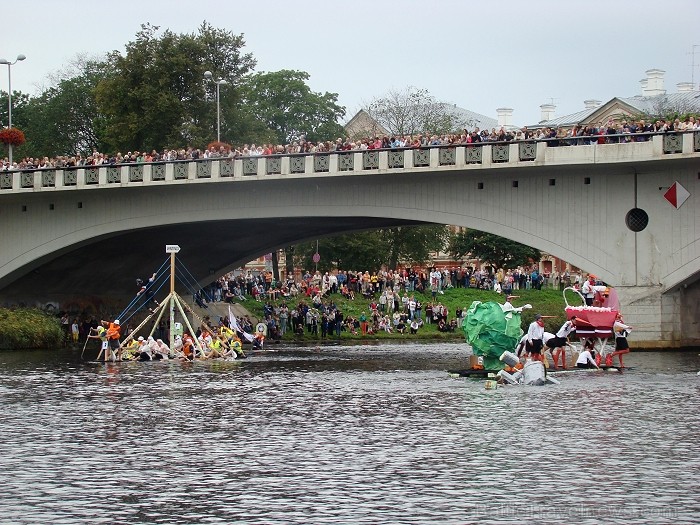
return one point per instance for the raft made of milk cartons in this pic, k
(533, 372)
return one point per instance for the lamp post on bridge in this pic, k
(221, 82)
(9, 95)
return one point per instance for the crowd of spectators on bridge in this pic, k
(612, 131)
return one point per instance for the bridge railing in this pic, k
(464, 156)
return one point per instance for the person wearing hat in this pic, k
(114, 352)
(533, 345)
(99, 333)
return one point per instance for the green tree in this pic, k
(65, 118)
(156, 95)
(488, 248)
(413, 244)
(414, 111)
(285, 104)
(357, 251)
(370, 250)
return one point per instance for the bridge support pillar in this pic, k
(655, 316)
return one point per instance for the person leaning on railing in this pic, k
(609, 133)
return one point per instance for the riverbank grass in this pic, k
(547, 302)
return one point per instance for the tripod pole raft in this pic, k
(172, 249)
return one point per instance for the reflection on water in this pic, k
(366, 435)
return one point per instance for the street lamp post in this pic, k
(9, 95)
(221, 82)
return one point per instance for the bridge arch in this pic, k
(569, 202)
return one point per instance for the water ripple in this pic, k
(361, 435)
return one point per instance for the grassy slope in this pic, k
(545, 302)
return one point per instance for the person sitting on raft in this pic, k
(143, 352)
(161, 350)
(586, 358)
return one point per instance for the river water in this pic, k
(345, 435)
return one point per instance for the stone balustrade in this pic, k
(461, 157)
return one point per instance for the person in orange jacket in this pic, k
(114, 351)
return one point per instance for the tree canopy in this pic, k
(414, 111)
(286, 105)
(492, 249)
(370, 250)
(155, 96)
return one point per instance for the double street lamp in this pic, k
(221, 82)
(9, 95)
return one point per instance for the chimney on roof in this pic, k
(685, 87)
(591, 103)
(504, 116)
(547, 112)
(654, 83)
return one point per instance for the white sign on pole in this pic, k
(172, 248)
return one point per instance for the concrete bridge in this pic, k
(76, 235)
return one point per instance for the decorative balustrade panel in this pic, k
(396, 159)
(421, 157)
(500, 152)
(273, 165)
(673, 143)
(250, 166)
(527, 151)
(92, 176)
(226, 168)
(158, 172)
(346, 161)
(370, 160)
(696, 141)
(204, 169)
(180, 171)
(70, 177)
(114, 175)
(136, 173)
(447, 156)
(297, 164)
(48, 178)
(322, 163)
(5, 181)
(26, 180)
(474, 154)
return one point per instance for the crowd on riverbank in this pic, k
(612, 131)
(397, 302)
(383, 284)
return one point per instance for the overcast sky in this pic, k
(480, 55)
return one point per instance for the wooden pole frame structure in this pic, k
(172, 301)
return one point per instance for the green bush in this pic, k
(29, 328)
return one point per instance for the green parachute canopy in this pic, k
(491, 331)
